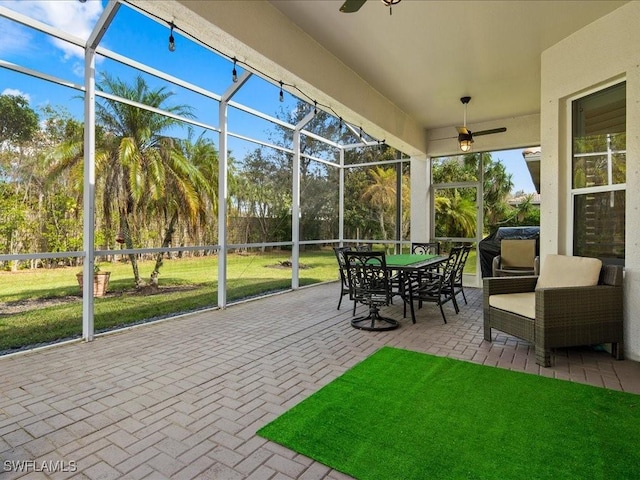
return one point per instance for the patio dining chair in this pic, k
(370, 285)
(344, 276)
(437, 287)
(458, 287)
(425, 248)
(428, 248)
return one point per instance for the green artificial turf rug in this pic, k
(406, 415)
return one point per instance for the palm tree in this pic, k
(381, 193)
(203, 154)
(148, 166)
(179, 189)
(457, 214)
(143, 172)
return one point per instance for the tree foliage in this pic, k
(18, 122)
(456, 207)
(157, 181)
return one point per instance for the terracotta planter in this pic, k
(100, 283)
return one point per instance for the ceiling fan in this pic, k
(465, 136)
(351, 6)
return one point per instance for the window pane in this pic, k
(599, 224)
(460, 168)
(599, 138)
(456, 211)
(318, 201)
(599, 160)
(260, 203)
(599, 170)
(370, 200)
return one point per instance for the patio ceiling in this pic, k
(428, 54)
(417, 62)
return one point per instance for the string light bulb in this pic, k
(328, 108)
(172, 41)
(293, 87)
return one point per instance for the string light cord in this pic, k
(236, 61)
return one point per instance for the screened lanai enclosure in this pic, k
(192, 179)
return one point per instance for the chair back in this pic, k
(429, 248)
(368, 277)
(342, 263)
(449, 268)
(518, 253)
(462, 260)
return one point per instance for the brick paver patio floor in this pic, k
(183, 398)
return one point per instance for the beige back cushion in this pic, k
(517, 253)
(565, 271)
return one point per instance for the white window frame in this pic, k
(572, 192)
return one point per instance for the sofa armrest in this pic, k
(495, 265)
(498, 285)
(568, 306)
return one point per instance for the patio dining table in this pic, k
(410, 261)
(403, 264)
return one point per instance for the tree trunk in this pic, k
(384, 230)
(128, 242)
(166, 241)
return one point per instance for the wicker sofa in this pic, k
(575, 301)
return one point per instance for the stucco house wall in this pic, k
(603, 52)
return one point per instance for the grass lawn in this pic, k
(42, 306)
(45, 305)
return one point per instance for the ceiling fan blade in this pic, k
(464, 130)
(351, 6)
(489, 132)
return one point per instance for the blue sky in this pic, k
(139, 38)
(135, 36)
(516, 165)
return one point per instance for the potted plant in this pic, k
(100, 281)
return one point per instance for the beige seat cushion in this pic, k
(566, 271)
(520, 303)
(517, 253)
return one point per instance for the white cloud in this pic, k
(17, 93)
(70, 16)
(14, 38)
(78, 69)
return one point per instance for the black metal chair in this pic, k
(344, 276)
(436, 288)
(425, 248)
(457, 280)
(429, 248)
(370, 285)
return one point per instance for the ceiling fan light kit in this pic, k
(465, 140)
(465, 136)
